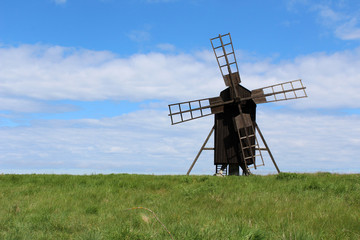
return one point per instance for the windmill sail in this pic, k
(279, 92)
(225, 56)
(186, 111)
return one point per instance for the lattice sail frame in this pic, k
(186, 111)
(279, 92)
(226, 59)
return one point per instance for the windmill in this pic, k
(236, 144)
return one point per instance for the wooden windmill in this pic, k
(236, 144)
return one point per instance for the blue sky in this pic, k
(84, 85)
(287, 28)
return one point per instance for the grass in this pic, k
(285, 206)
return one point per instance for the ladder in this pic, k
(257, 149)
(251, 151)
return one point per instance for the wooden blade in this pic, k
(279, 92)
(225, 56)
(186, 111)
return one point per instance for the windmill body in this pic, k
(238, 141)
(227, 150)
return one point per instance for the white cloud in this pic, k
(312, 142)
(30, 75)
(344, 24)
(24, 105)
(145, 142)
(140, 35)
(331, 79)
(60, 1)
(166, 47)
(53, 73)
(348, 30)
(327, 14)
(338, 16)
(293, 4)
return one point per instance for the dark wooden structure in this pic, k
(236, 144)
(227, 144)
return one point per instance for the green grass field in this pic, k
(285, 206)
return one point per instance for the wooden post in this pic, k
(201, 149)
(267, 147)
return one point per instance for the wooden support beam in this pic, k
(267, 147)
(201, 149)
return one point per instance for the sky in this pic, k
(85, 85)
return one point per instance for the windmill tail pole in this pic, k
(267, 147)
(201, 149)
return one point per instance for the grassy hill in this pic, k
(285, 206)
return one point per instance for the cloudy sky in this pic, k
(85, 84)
